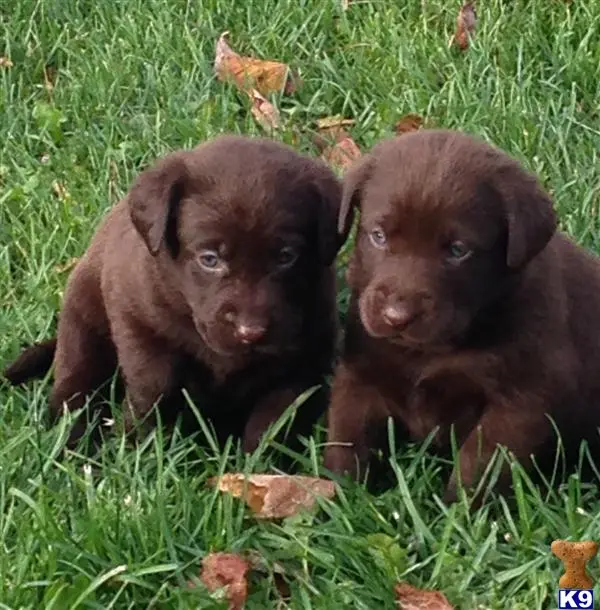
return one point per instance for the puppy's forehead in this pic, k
(433, 182)
(247, 187)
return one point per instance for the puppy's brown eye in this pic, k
(209, 260)
(286, 257)
(458, 251)
(378, 237)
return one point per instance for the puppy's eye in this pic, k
(209, 260)
(286, 257)
(378, 237)
(458, 251)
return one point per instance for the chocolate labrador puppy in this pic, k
(469, 313)
(215, 273)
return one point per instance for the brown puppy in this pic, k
(467, 310)
(215, 273)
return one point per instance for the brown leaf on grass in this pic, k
(275, 496)
(409, 122)
(226, 571)
(264, 112)
(6, 62)
(465, 26)
(60, 191)
(259, 565)
(411, 598)
(249, 73)
(334, 143)
(67, 265)
(49, 78)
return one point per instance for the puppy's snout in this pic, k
(249, 333)
(399, 314)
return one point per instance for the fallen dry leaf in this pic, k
(409, 122)
(264, 112)
(259, 565)
(334, 143)
(275, 496)
(49, 78)
(411, 598)
(67, 265)
(226, 571)
(249, 73)
(5, 62)
(465, 26)
(60, 191)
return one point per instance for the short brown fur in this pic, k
(214, 274)
(468, 310)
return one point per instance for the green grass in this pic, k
(133, 79)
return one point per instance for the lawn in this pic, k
(95, 92)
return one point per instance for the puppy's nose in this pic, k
(399, 314)
(247, 333)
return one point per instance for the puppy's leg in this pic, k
(272, 407)
(356, 421)
(149, 369)
(83, 362)
(522, 429)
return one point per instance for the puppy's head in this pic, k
(446, 221)
(247, 229)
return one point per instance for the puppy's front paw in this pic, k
(342, 461)
(450, 495)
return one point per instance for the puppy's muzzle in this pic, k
(399, 314)
(248, 334)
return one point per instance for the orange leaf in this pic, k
(409, 122)
(67, 265)
(60, 191)
(465, 26)
(275, 496)
(49, 78)
(335, 144)
(264, 112)
(411, 598)
(249, 73)
(226, 571)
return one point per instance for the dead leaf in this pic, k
(49, 78)
(60, 191)
(264, 112)
(67, 265)
(334, 143)
(275, 496)
(5, 62)
(411, 598)
(409, 122)
(465, 26)
(333, 122)
(249, 73)
(259, 565)
(226, 571)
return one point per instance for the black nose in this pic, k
(399, 314)
(248, 334)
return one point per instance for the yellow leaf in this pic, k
(275, 496)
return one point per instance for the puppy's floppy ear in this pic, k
(531, 218)
(153, 200)
(327, 192)
(354, 180)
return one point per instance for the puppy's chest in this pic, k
(423, 402)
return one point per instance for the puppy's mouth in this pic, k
(224, 344)
(415, 329)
